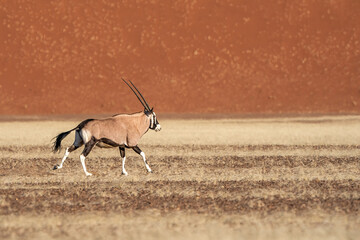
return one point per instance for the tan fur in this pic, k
(123, 129)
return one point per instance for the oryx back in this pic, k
(119, 130)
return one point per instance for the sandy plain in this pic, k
(253, 178)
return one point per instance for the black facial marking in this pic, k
(153, 122)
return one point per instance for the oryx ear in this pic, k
(151, 109)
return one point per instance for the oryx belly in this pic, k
(104, 145)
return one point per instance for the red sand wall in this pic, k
(236, 56)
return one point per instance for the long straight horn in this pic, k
(145, 106)
(140, 95)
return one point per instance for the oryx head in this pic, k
(154, 124)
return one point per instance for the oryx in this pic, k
(122, 130)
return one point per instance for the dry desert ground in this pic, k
(243, 178)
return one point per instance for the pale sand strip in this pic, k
(336, 130)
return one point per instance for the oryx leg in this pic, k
(123, 157)
(138, 151)
(88, 147)
(77, 143)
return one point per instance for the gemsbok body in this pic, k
(122, 131)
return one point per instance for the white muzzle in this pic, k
(158, 128)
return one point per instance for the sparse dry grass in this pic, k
(296, 178)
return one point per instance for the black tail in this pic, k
(59, 138)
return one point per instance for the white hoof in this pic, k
(124, 173)
(88, 174)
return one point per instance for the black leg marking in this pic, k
(137, 149)
(68, 151)
(89, 146)
(73, 148)
(122, 152)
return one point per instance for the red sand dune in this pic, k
(66, 57)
